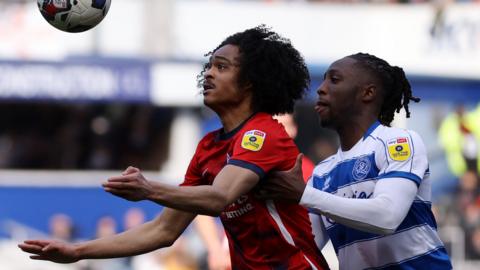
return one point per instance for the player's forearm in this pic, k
(361, 214)
(381, 214)
(142, 239)
(204, 200)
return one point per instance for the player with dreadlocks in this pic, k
(391, 79)
(371, 198)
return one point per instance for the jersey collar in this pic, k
(222, 135)
(371, 129)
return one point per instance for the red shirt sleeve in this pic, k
(193, 176)
(264, 147)
(307, 168)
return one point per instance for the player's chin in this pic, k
(209, 100)
(323, 116)
(325, 121)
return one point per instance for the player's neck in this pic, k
(234, 117)
(350, 133)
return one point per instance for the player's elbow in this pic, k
(216, 205)
(166, 237)
(385, 231)
(169, 241)
(389, 223)
(217, 208)
(385, 216)
(214, 212)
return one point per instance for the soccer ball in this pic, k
(74, 15)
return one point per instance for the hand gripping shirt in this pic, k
(383, 153)
(261, 234)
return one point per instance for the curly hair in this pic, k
(395, 86)
(272, 66)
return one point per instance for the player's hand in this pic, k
(284, 185)
(50, 250)
(131, 185)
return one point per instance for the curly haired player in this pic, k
(250, 76)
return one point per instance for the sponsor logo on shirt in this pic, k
(253, 140)
(399, 149)
(237, 209)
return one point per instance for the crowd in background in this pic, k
(459, 135)
(80, 136)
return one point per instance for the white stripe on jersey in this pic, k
(408, 244)
(276, 217)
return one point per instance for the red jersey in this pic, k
(261, 234)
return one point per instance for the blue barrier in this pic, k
(35, 206)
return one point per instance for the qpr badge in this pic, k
(361, 168)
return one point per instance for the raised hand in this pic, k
(284, 185)
(50, 250)
(131, 185)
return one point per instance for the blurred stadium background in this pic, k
(78, 108)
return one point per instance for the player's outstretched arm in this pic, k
(158, 233)
(231, 182)
(382, 213)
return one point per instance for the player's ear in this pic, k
(370, 92)
(248, 85)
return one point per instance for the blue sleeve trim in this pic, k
(413, 150)
(247, 165)
(399, 174)
(384, 148)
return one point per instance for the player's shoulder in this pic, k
(387, 135)
(264, 124)
(399, 144)
(210, 136)
(261, 120)
(209, 139)
(326, 165)
(262, 129)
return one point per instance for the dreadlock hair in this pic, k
(395, 86)
(271, 65)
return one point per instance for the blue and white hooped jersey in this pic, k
(383, 153)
